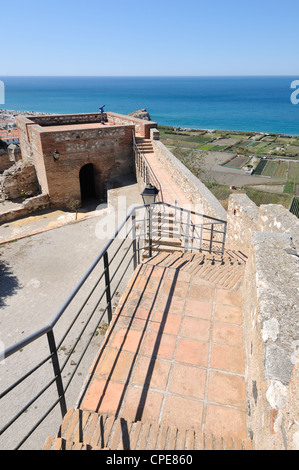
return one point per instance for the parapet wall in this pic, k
(244, 217)
(270, 237)
(196, 192)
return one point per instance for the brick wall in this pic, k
(108, 148)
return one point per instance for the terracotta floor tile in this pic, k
(153, 285)
(175, 288)
(103, 396)
(227, 389)
(224, 333)
(166, 323)
(159, 345)
(228, 314)
(158, 272)
(201, 292)
(195, 308)
(149, 270)
(182, 412)
(225, 421)
(115, 365)
(127, 340)
(195, 328)
(181, 289)
(147, 301)
(141, 284)
(132, 322)
(170, 304)
(198, 281)
(188, 380)
(183, 276)
(229, 297)
(151, 373)
(193, 352)
(227, 358)
(142, 404)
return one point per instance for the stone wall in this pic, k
(196, 192)
(5, 162)
(271, 320)
(19, 180)
(242, 218)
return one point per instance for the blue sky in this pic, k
(164, 37)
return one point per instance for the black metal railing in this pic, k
(64, 343)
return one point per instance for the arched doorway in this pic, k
(87, 183)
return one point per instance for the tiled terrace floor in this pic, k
(173, 355)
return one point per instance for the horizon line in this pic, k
(146, 76)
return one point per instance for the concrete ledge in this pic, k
(30, 205)
(276, 218)
(196, 192)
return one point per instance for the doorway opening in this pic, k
(87, 183)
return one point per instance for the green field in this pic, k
(222, 193)
(259, 169)
(282, 171)
(276, 148)
(294, 172)
(270, 168)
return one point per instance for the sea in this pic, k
(259, 104)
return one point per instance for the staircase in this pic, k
(225, 270)
(84, 430)
(144, 145)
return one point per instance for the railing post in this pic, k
(107, 286)
(134, 239)
(224, 237)
(57, 373)
(211, 240)
(201, 235)
(187, 233)
(150, 222)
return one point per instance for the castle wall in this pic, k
(80, 140)
(271, 320)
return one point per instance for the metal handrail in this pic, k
(48, 331)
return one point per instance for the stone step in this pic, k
(85, 430)
(226, 270)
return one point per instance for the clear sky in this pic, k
(154, 37)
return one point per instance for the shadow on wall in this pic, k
(9, 283)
